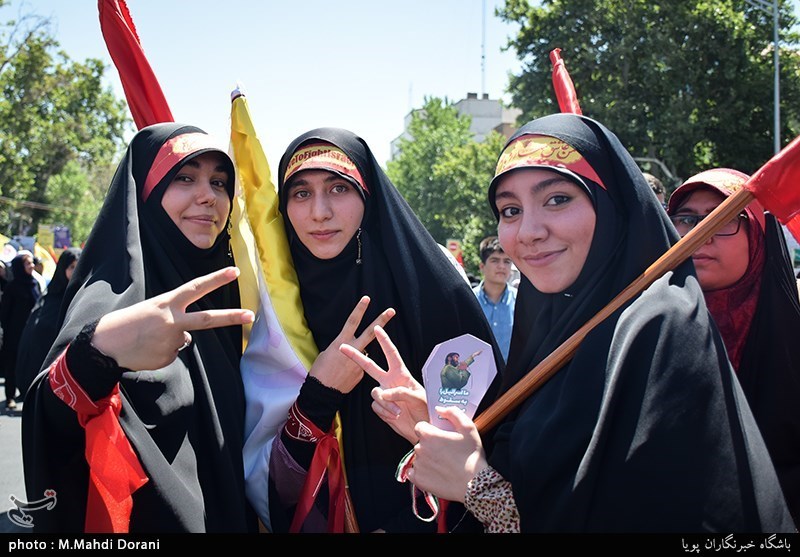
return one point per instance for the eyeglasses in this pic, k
(684, 223)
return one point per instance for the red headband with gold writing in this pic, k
(540, 150)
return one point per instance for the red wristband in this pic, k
(299, 427)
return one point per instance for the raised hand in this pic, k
(149, 335)
(400, 400)
(335, 370)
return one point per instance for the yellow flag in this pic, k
(280, 349)
(266, 222)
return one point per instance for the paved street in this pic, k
(11, 478)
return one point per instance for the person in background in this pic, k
(495, 294)
(19, 297)
(354, 243)
(136, 420)
(750, 289)
(658, 188)
(42, 327)
(644, 428)
(38, 269)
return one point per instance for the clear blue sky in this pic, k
(357, 64)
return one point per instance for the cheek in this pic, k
(224, 207)
(353, 212)
(172, 204)
(737, 258)
(507, 235)
(294, 215)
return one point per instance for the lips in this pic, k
(541, 259)
(323, 234)
(202, 220)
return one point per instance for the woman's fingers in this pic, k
(197, 288)
(393, 357)
(213, 318)
(369, 333)
(363, 361)
(354, 319)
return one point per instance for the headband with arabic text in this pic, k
(541, 150)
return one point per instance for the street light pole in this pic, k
(777, 93)
(772, 8)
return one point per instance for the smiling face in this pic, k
(546, 226)
(197, 198)
(325, 211)
(722, 260)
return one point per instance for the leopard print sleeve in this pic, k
(490, 499)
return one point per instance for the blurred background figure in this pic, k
(495, 293)
(19, 297)
(41, 328)
(658, 188)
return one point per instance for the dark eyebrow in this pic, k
(331, 177)
(194, 164)
(541, 186)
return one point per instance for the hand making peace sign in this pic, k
(149, 335)
(400, 400)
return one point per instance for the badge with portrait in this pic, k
(458, 373)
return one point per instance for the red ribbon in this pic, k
(326, 460)
(114, 469)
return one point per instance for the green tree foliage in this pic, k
(686, 82)
(59, 131)
(443, 173)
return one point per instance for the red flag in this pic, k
(776, 185)
(145, 98)
(562, 83)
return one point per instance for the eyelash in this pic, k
(218, 184)
(552, 201)
(303, 194)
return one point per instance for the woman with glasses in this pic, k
(749, 286)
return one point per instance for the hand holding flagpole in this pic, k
(776, 185)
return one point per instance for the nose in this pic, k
(531, 229)
(320, 208)
(205, 194)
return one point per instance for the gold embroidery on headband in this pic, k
(538, 150)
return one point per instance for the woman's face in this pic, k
(70, 269)
(325, 210)
(722, 260)
(27, 261)
(197, 199)
(546, 226)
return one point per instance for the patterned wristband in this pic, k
(299, 427)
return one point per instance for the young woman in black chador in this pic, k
(351, 234)
(136, 422)
(645, 428)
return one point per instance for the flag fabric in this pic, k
(281, 348)
(144, 95)
(562, 83)
(776, 185)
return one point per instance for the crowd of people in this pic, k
(673, 414)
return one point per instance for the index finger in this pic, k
(200, 286)
(213, 318)
(364, 362)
